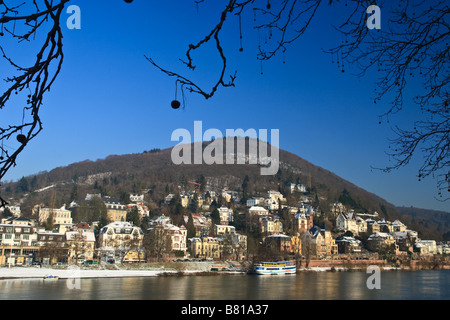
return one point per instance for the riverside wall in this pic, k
(348, 264)
(363, 264)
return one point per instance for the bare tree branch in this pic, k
(411, 47)
(36, 79)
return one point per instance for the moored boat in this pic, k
(51, 278)
(219, 267)
(226, 269)
(279, 267)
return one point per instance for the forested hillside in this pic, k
(153, 173)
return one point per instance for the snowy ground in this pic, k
(119, 272)
(23, 273)
(76, 272)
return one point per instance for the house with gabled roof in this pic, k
(257, 210)
(319, 242)
(381, 240)
(303, 222)
(347, 222)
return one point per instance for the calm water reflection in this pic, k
(395, 285)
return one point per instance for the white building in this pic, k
(81, 245)
(226, 215)
(176, 235)
(137, 198)
(255, 202)
(59, 216)
(426, 246)
(17, 235)
(220, 230)
(346, 222)
(257, 210)
(117, 234)
(297, 187)
(15, 210)
(276, 196)
(271, 204)
(443, 248)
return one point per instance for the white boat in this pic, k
(280, 267)
(226, 269)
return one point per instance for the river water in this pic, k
(394, 285)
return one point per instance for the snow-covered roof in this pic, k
(400, 234)
(378, 235)
(278, 236)
(78, 236)
(257, 208)
(397, 223)
(120, 224)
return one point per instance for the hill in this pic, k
(154, 174)
(438, 222)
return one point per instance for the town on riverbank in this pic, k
(210, 229)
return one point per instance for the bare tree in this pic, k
(20, 22)
(410, 48)
(78, 247)
(157, 243)
(410, 52)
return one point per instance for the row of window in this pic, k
(16, 229)
(25, 252)
(7, 236)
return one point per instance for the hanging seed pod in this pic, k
(21, 138)
(240, 34)
(175, 104)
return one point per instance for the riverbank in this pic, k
(106, 271)
(191, 268)
(362, 265)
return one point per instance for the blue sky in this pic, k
(109, 100)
